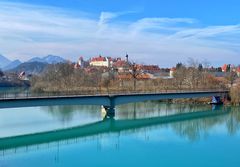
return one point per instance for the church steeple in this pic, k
(126, 57)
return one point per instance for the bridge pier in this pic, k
(108, 111)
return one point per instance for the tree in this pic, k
(228, 68)
(179, 65)
(106, 81)
(179, 76)
(1, 73)
(192, 62)
(231, 77)
(219, 69)
(206, 64)
(135, 72)
(200, 67)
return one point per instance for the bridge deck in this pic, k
(105, 100)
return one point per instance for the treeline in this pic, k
(64, 78)
(194, 76)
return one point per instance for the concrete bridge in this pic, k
(106, 126)
(108, 101)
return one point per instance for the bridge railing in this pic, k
(28, 94)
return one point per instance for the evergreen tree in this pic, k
(200, 67)
(179, 65)
(1, 73)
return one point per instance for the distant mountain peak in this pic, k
(12, 65)
(4, 61)
(49, 59)
(30, 67)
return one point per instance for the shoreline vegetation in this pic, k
(235, 95)
(63, 78)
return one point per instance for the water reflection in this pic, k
(149, 131)
(144, 117)
(154, 109)
(189, 124)
(233, 121)
(128, 111)
(66, 113)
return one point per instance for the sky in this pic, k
(162, 32)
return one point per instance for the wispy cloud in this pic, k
(28, 30)
(206, 32)
(146, 23)
(105, 17)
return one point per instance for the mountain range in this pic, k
(17, 65)
(29, 68)
(4, 61)
(12, 65)
(50, 59)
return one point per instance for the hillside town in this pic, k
(120, 69)
(123, 69)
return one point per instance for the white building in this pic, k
(101, 61)
(171, 73)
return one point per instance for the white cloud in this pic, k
(27, 31)
(106, 16)
(210, 31)
(146, 23)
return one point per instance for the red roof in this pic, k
(110, 59)
(238, 69)
(22, 74)
(120, 63)
(224, 67)
(150, 67)
(99, 58)
(129, 76)
(76, 66)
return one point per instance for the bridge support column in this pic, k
(110, 111)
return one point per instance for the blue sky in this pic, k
(212, 12)
(151, 31)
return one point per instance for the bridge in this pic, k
(108, 125)
(108, 101)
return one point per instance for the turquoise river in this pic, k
(141, 134)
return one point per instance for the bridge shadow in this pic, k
(108, 125)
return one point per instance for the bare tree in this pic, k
(135, 73)
(231, 77)
(180, 76)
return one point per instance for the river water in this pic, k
(141, 134)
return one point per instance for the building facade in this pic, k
(100, 61)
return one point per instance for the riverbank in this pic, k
(16, 83)
(204, 100)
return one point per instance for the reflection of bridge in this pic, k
(108, 101)
(105, 126)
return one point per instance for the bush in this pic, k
(235, 95)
